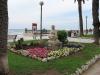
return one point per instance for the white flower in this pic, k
(24, 52)
(44, 59)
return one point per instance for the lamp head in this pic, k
(41, 3)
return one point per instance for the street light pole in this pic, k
(41, 4)
(86, 25)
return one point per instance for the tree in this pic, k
(80, 16)
(96, 23)
(3, 37)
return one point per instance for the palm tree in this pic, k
(3, 37)
(96, 23)
(80, 16)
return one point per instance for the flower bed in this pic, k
(39, 52)
(63, 52)
(44, 55)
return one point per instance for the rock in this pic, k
(25, 53)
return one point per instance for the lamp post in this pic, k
(41, 4)
(86, 25)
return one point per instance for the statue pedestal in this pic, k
(53, 42)
(54, 45)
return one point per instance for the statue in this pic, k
(53, 42)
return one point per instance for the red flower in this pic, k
(39, 52)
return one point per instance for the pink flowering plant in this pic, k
(38, 52)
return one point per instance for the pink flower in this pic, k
(39, 52)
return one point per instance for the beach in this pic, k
(25, 37)
(21, 34)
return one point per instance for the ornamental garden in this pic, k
(55, 53)
(45, 50)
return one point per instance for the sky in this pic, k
(61, 13)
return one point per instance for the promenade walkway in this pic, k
(94, 69)
(81, 40)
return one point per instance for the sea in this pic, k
(15, 31)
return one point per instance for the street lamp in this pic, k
(41, 4)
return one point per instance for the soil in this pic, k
(48, 72)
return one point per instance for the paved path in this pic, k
(82, 40)
(94, 70)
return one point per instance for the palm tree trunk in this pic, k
(3, 37)
(80, 17)
(96, 24)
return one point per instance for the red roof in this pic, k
(34, 24)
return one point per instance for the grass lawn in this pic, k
(25, 66)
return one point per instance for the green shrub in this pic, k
(19, 44)
(21, 40)
(62, 36)
(39, 43)
(42, 43)
(31, 43)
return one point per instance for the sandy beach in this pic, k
(25, 37)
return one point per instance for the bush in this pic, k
(21, 40)
(19, 44)
(62, 36)
(42, 43)
(32, 44)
